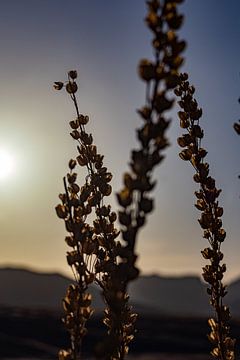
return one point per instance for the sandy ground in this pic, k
(170, 357)
(146, 357)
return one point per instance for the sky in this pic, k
(40, 41)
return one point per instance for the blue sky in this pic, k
(104, 41)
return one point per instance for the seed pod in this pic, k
(202, 152)
(221, 234)
(112, 217)
(70, 241)
(71, 87)
(83, 120)
(182, 115)
(74, 124)
(124, 197)
(61, 211)
(145, 112)
(161, 103)
(207, 253)
(72, 74)
(75, 134)
(82, 160)
(181, 142)
(58, 85)
(64, 355)
(185, 154)
(72, 163)
(124, 218)
(146, 70)
(146, 205)
(184, 124)
(236, 127)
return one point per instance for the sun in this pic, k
(7, 164)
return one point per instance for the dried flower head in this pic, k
(210, 219)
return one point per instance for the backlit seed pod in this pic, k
(74, 124)
(181, 142)
(210, 183)
(58, 85)
(71, 87)
(145, 112)
(75, 134)
(72, 74)
(221, 234)
(201, 205)
(197, 131)
(70, 241)
(207, 253)
(202, 153)
(112, 217)
(185, 154)
(61, 211)
(108, 177)
(124, 218)
(146, 70)
(75, 188)
(82, 160)
(178, 92)
(219, 211)
(236, 127)
(203, 170)
(106, 190)
(72, 163)
(179, 46)
(146, 205)
(72, 178)
(73, 257)
(195, 160)
(182, 115)
(94, 199)
(152, 20)
(124, 197)
(184, 124)
(175, 62)
(162, 103)
(65, 355)
(87, 139)
(89, 247)
(83, 119)
(197, 114)
(172, 80)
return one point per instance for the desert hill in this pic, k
(177, 296)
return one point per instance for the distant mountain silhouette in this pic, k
(172, 295)
(29, 289)
(178, 296)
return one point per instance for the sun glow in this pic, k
(7, 164)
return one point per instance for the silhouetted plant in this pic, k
(96, 255)
(161, 76)
(90, 224)
(210, 220)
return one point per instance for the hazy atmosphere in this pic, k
(103, 40)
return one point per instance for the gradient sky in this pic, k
(40, 41)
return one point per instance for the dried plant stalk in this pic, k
(161, 76)
(90, 224)
(210, 219)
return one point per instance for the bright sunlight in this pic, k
(7, 164)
